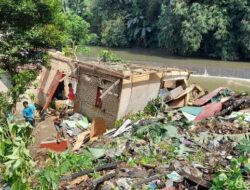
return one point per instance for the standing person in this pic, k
(71, 96)
(29, 113)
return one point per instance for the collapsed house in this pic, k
(108, 91)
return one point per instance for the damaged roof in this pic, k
(121, 70)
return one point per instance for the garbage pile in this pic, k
(75, 124)
(196, 146)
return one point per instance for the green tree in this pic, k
(213, 28)
(141, 21)
(139, 17)
(27, 28)
(113, 34)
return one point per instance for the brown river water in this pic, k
(209, 74)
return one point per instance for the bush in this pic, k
(93, 39)
(113, 33)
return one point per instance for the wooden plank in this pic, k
(178, 103)
(108, 166)
(176, 92)
(122, 128)
(169, 84)
(173, 78)
(110, 88)
(80, 140)
(140, 78)
(66, 76)
(103, 179)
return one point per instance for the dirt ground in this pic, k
(44, 131)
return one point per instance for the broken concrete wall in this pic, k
(88, 83)
(137, 92)
(57, 63)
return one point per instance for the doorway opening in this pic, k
(60, 92)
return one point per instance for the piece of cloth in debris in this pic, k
(205, 99)
(209, 110)
(174, 176)
(191, 112)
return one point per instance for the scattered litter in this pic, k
(124, 183)
(241, 116)
(174, 176)
(205, 99)
(125, 126)
(97, 152)
(84, 136)
(209, 110)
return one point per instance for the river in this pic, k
(207, 73)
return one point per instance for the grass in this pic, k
(198, 157)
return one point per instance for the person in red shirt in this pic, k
(71, 96)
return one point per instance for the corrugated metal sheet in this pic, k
(209, 110)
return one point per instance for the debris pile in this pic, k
(182, 141)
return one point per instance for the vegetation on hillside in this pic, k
(218, 29)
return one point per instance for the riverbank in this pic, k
(159, 57)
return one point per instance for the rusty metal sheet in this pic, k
(209, 110)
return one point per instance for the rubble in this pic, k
(166, 148)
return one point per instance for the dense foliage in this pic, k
(212, 28)
(113, 34)
(219, 28)
(16, 162)
(29, 27)
(25, 27)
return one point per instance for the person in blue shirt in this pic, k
(29, 113)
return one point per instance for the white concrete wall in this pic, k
(137, 92)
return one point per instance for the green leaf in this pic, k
(172, 131)
(47, 174)
(16, 164)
